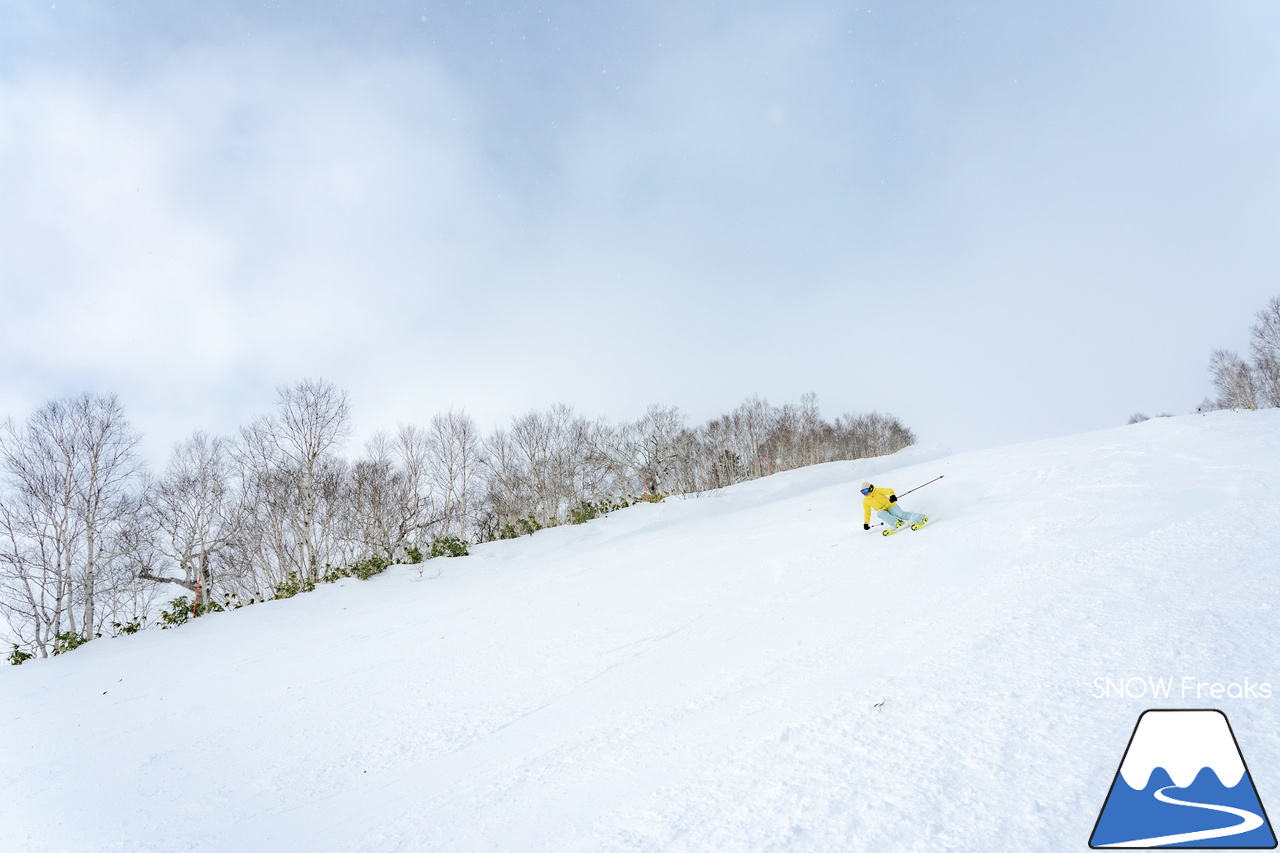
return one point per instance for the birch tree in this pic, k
(650, 455)
(40, 541)
(71, 473)
(289, 464)
(872, 434)
(1265, 346)
(195, 514)
(106, 476)
(1234, 380)
(391, 493)
(453, 463)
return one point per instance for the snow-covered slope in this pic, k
(746, 670)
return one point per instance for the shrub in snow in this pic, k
(69, 640)
(523, 527)
(588, 510)
(362, 569)
(449, 546)
(131, 627)
(179, 611)
(291, 586)
(365, 569)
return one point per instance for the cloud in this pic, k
(97, 253)
(498, 210)
(235, 211)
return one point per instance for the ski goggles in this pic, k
(867, 490)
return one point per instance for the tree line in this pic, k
(1253, 384)
(92, 542)
(1241, 384)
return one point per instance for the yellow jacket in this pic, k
(878, 499)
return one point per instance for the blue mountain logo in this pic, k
(1183, 783)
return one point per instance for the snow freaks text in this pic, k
(1186, 687)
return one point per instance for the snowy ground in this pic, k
(747, 670)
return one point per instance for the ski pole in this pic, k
(922, 485)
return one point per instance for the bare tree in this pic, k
(533, 435)
(391, 501)
(1265, 346)
(125, 599)
(1234, 380)
(42, 533)
(548, 463)
(814, 434)
(506, 492)
(752, 423)
(39, 545)
(872, 434)
(267, 545)
(783, 446)
(108, 472)
(195, 514)
(71, 474)
(647, 455)
(453, 465)
(721, 463)
(290, 471)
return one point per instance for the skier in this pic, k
(885, 503)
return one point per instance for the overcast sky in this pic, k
(1001, 222)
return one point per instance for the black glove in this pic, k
(893, 499)
(866, 527)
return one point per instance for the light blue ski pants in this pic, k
(896, 513)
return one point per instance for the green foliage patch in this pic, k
(449, 546)
(179, 612)
(131, 627)
(69, 640)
